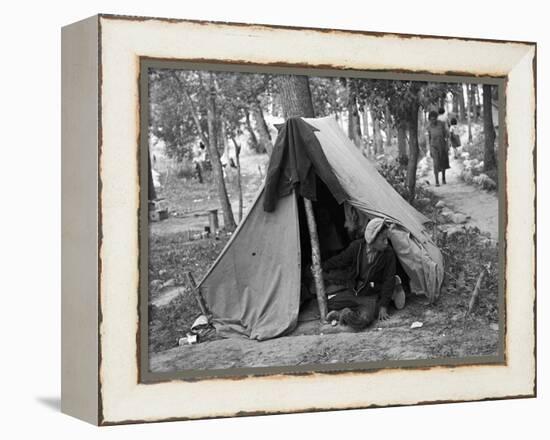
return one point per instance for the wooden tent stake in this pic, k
(197, 293)
(316, 261)
(475, 293)
(474, 297)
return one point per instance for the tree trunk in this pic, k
(254, 143)
(228, 219)
(239, 182)
(350, 104)
(489, 160)
(296, 101)
(366, 135)
(354, 125)
(377, 136)
(469, 114)
(413, 149)
(461, 105)
(295, 96)
(225, 143)
(478, 101)
(152, 192)
(423, 137)
(366, 123)
(387, 117)
(454, 109)
(194, 111)
(402, 142)
(261, 126)
(473, 101)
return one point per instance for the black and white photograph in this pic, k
(320, 220)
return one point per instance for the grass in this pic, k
(186, 195)
(172, 257)
(466, 254)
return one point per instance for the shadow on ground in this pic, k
(52, 403)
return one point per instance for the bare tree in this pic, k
(212, 120)
(239, 179)
(469, 111)
(461, 105)
(261, 127)
(376, 134)
(387, 126)
(402, 142)
(413, 148)
(354, 125)
(366, 123)
(254, 143)
(489, 160)
(209, 137)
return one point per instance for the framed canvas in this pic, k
(169, 292)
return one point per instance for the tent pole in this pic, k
(316, 261)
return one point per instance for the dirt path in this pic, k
(481, 206)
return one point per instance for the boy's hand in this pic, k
(383, 314)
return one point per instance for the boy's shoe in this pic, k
(398, 296)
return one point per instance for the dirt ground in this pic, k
(445, 333)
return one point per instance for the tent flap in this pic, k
(296, 161)
(254, 287)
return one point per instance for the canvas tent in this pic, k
(253, 288)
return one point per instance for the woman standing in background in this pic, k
(438, 138)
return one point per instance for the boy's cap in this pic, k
(373, 228)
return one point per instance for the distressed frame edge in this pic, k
(123, 17)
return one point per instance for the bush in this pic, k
(465, 253)
(395, 175)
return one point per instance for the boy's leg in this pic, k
(443, 177)
(341, 300)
